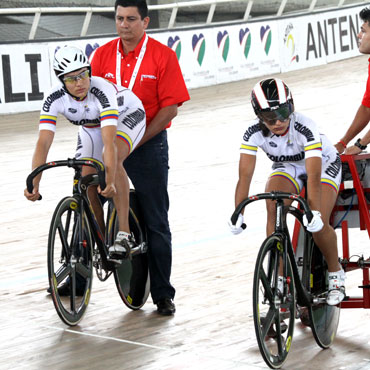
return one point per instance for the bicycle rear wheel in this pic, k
(273, 312)
(69, 233)
(132, 276)
(324, 318)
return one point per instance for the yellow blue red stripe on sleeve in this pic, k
(316, 146)
(47, 122)
(109, 117)
(313, 150)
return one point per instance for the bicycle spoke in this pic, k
(63, 234)
(62, 273)
(279, 339)
(266, 287)
(73, 295)
(267, 322)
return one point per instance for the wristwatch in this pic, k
(362, 147)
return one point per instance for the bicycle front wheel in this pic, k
(273, 310)
(70, 261)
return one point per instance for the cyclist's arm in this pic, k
(43, 144)
(313, 169)
(247, 164)
(110, 158)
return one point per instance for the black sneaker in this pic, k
(166, 307)
(65, 289)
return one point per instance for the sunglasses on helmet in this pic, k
(270, 117)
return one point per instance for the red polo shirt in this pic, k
(159, 82)
(366, 98)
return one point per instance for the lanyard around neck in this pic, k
(137, 66)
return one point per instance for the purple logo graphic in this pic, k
(245, 38)
(266, 38)
(89, 49)
(175, 45)
(223, 42)
(199, 47)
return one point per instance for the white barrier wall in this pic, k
(207, 56)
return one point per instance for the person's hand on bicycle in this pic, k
(35, 195)
(239, 225)
(316, 223)
(109, 190)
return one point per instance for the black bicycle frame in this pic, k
(80, 192)
(80, 185)
(282, 231)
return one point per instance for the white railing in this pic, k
(174, 6)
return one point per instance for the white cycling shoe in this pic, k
(122, 246)
(336, 289)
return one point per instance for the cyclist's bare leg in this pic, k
(276, 183)
(92, 194)
(326, 238)
(121, 199)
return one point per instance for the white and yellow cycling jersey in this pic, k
(289, 151)
(106, 104)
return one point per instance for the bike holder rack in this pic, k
(363, 209)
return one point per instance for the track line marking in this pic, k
(105, 337)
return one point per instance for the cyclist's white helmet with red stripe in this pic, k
(272, 100)
(68, 59)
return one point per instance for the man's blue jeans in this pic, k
(147, 167)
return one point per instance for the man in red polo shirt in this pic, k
(151, 70)
(362, 116)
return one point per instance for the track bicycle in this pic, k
(77, 246)
(288, 283)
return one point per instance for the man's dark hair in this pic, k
(365, 15)
(141, 6)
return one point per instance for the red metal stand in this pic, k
(363, 209)
(364, 219)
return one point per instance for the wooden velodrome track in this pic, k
(212, 270)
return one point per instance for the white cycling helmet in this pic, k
(68, 59)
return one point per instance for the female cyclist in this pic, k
(111, 122)
(293, 142)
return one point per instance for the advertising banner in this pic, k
(207, 56)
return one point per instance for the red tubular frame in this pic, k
(364, 216)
